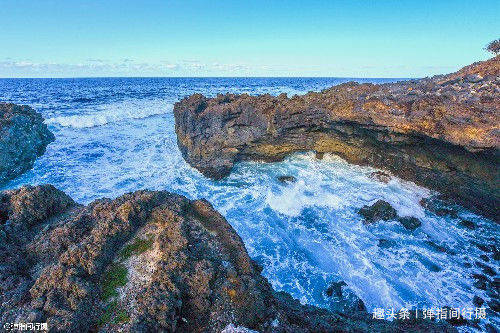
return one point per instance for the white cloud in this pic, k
(129, 67)
(125, 67)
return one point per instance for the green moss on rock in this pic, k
(113, 314)
(115, 277)
(137, 247)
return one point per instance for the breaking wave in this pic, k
(111, 113)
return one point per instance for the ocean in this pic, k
(116, 135)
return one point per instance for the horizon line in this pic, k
(214, 77)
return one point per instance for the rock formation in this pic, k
(145, 262)
(23, 138)
(440, 132)
(380, 210)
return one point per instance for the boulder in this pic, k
(287, 179)
(380, 210)
(410, 222)
(477, 301)
(147, 261)
(23, 138)
(381, 176)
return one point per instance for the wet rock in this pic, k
(436, 247)
(485, 268)
(147, 261)
(344, 300)
(23, 138)
(481, 281)
(457, 321)
(335, 288)
(445, 212)
(425, 131)
(380, 210)
(381, 176)
(467, 224)
(494, 305)
(287, 179)
(431, 266)
(483, 247)
(319, 155)
(410, 222)
(386, 243)
(237, 329)
(477, 301)
(490, 328)
(440, 206)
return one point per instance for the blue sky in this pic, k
(356, 38)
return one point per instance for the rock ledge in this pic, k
(440, 132)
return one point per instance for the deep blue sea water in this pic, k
(116, 135)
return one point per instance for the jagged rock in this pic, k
(481, 281)
(319, 155)
(440, 132)
(485, 268)
(439, 248)
(386, 243)
(494, 305)
(344, 299)
(439, 206)
(467, 224)
(145, 262)
(410, 222)
(335, 288)
(474, 78)
(477, 301)
(380, 210)
(23, 138)
(287, 179)
(381, 176)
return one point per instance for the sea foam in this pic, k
(110, 113)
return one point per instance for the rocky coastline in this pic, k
(23, 138)
(146, 261)
(440, 132)
(157, 261)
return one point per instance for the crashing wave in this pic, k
(112, 113)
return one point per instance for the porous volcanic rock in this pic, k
(23, 138)
(440, 132)
(145, 262)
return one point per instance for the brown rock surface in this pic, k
(145, 262)
(440, 132)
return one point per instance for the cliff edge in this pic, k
(440, 132)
